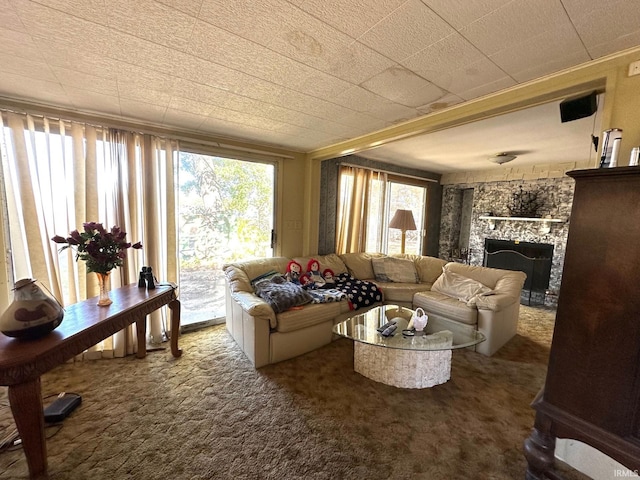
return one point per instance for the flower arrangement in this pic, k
(102, 250)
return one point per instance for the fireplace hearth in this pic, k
(534, 259)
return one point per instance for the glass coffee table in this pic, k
(402, 360)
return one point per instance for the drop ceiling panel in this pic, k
(92, 101)
(406, 31)
(449, 54)
(470, 76)
(553, 45)
(170, 27)
(353, 18)
(26, 68)
(459, 13)
(515, 21)
(415, 90)
(95, 11)
(72, 79)
(256, 20)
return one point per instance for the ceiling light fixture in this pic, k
(501, 158)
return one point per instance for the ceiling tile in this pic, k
(470, 76)
(26, 68)
(49, 24)
(486, 88)
(557, 48)
(94, 102)
(19, 44)
(440, 104)
(403, 86)
(256, 20)
(599, 24)
(308, 40)
(135, 89)
(151, 21)
(190, 7)
(95, 11)
(187, 105)
(519, 19)
(356, 63)
(406, 31)
(39, 91)
(621, 43)
(147, 112)
(9, 19)
(449, 54)
(459, 13)
(71, 79)
(141, 52)
(182, 119)
(353, 17)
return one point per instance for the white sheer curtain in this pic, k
(355, 206)
(60, 174)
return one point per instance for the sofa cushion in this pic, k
(307, 316)
(281, 294)
(401, 292)
(359, 264)
(390, 269)
(458, 286)
(445, 306)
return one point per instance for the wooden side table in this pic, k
(22, 362)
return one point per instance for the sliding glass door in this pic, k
(226, 212)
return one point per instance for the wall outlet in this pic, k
(634, 68)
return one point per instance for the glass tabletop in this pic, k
(364, 328)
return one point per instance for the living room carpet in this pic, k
(211, 415)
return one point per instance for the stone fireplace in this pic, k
(492, 199)
(534, 259)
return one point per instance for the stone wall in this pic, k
(493, 198)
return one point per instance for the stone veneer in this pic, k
(494, 197)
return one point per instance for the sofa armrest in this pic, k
(255, 306)
(506, 292)
(495, 301)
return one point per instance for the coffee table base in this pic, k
(402, 368)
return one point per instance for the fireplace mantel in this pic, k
(544, 228)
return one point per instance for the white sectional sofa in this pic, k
(268, 337)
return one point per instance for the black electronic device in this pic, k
(61, 407)
(581, 107)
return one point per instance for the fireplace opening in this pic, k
(534, 259)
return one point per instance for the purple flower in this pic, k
(102, 250)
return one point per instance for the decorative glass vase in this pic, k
(103, 284)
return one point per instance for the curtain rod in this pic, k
(424, 179)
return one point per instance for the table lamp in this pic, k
(403, 220)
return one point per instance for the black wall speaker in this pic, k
(575, 108)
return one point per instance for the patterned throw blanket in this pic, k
(283, 295)
(359, 292)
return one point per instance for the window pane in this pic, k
(226, 214)
(406, 197)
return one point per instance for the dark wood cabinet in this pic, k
(592, 389)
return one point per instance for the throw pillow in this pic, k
(458, 286)
(399, 270)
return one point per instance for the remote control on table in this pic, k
(389, 331)
(386, 325)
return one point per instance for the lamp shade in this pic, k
(403, 220)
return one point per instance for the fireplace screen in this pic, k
(534, 259)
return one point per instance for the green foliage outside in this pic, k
(225, 210)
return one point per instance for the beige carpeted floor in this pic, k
(210, 415)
